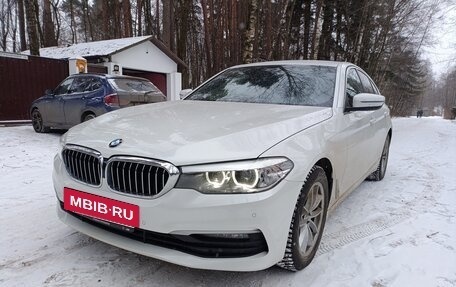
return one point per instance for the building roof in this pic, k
(103, 48)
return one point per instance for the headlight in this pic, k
(235, 177)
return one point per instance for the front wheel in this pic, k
(308, 222)
(379, 173)
(37, 122)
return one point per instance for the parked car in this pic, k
(237, 176)
(82, 97)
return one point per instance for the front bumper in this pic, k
(183, 213)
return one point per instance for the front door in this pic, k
(358, 134)
(54, 107)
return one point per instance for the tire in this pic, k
(379, 173)
(306, 228)
(88, 117)
(37, 122)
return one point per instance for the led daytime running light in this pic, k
(247, 186)
(218, 184)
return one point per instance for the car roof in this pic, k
(106, 76)
(297, 62)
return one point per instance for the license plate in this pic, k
(101, 207)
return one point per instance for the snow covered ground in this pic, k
(397, 232)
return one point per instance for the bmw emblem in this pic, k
(115, 143)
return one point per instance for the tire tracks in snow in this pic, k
(339, 239)
(346, 236)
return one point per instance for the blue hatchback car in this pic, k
(82, 97)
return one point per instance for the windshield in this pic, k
(288, 85)
(132, 85)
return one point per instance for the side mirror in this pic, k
(49, 92)
(184, 93)
(367, 102)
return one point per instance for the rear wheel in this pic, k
(379, 173)
(37, 122)
(308, 222)
(88, 117)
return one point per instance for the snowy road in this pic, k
(397, 232)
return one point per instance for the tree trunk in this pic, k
(48, 25)
(307, 20)
(139, 9)
(337, 46)
(105, 19)
(5, 23)
(148, 22)
(277, 53)
(13, 19)
(207, 40)
(57, 24)
(316, 31)
(21, 18)
(86, 22)
(167, 22)
(295, 42)
(117, 19)
(268, 32)
(324, 47)
(286, 30)
(360, 33)
(37, 15)
(127, 21)
(183, 17)
(247, 54)
(157, 20)
(74, 36)
(32, 28)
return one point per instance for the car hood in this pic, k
(192, 132)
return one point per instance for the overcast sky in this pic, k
(442, 54)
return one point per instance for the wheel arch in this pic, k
(43, 115)
(32, 108)
(326, 165)
(85, 113)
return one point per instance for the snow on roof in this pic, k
(98, 48)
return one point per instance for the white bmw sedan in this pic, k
(237, 176)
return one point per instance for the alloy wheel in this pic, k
(311, 219)
(37, 121)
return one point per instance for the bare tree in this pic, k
(5, 22)
(21, 19)
(250, 32)
(32, 27)
(168, 24)
(49, 38)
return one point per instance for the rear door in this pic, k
(75, 100)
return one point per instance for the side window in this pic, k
(353, 87)
(63, 87)
(80, 84)
(95, 84)
(366, 83)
